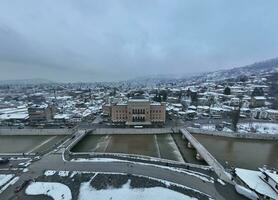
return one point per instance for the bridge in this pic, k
(203, 152)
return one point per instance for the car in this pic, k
(36, 158)
(4, 160)
(22, 186)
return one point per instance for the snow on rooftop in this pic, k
(62, 116)
(253, 180)
(259, 98)
(138, 100)
(20, 115)
(57, 191)
(179, 105)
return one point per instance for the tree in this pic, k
(194, 98)
(157, 97)
(257, 92)
(227, 91)
(235, 115)
(243, 78)
(164, 95)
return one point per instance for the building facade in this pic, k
(137, 112)
(41, 113)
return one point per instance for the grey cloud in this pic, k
(113, 40)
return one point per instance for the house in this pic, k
(106, 108)
(272, 114)
(257, 101)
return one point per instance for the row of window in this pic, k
(135, 117)
(121, 117)
(138, 119)
(138, 111)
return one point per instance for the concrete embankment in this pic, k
(255, 136)
(34, 131)
(108, 131)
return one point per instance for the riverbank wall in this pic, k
(255, 136)
(18, 132)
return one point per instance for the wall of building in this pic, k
(139, 110)
(119, 113)
(158, 113)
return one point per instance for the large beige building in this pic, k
(136, 112)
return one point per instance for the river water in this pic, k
(245, 153)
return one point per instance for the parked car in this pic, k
(4, 160)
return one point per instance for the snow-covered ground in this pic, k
(270, 128)
(254, 127)
(126, 193)
(4, 178)
(57, 191)
(253, 180)
(96, 160)
(7, 184)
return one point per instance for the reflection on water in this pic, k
(160, 145)
(243, 153)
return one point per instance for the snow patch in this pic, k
(57, 191)
(126, 193)
(11, 182)
(221, 182)
(4, 178)
(253, 180)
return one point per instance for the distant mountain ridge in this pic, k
(266, 66)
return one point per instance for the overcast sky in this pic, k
(88, 40)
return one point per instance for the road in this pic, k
(54, 161)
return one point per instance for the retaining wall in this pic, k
(34, 131)
(256, 136)
(104, 131)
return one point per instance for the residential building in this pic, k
(257, 101)
(41, 113)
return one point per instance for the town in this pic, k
(138, 100)
(144, 121)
